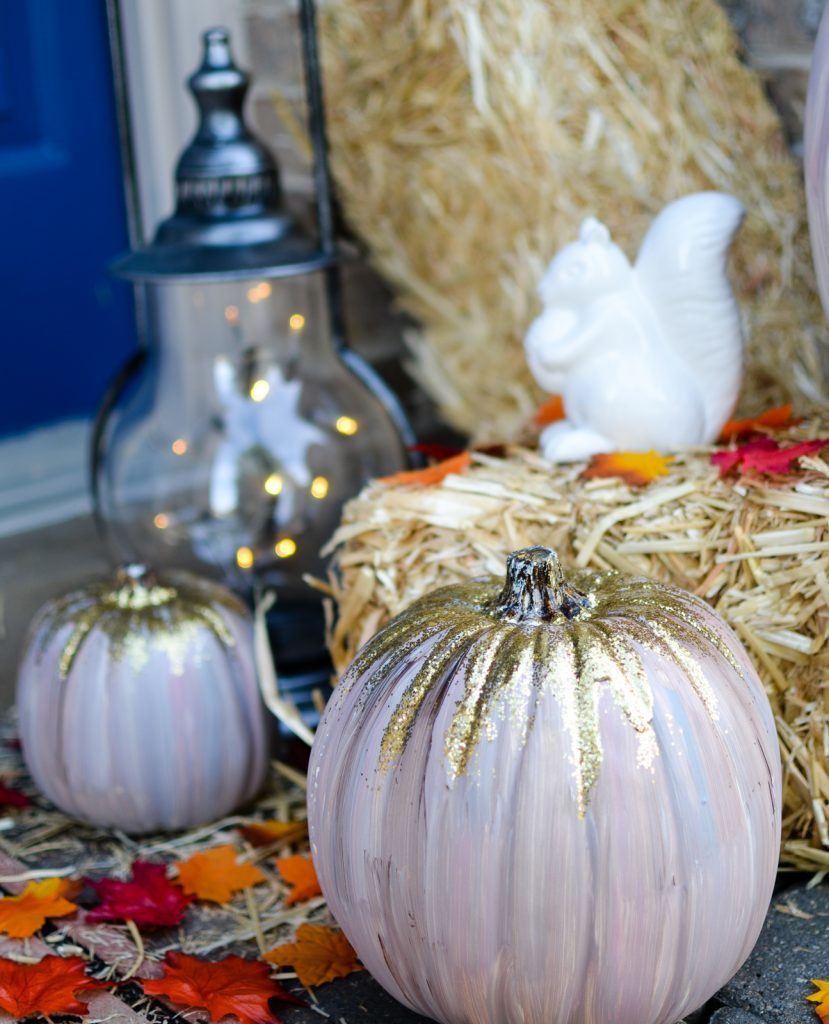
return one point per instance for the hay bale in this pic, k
(470, 139)
(757, 550)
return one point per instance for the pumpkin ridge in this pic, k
(671, 639)
(494, 670)
(404, 634)
(73, 645)
(170, 613)
(398, 640)
(399, 728)
(661, 601)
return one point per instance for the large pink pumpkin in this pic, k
(816, 158)
(541, 801)
(139, 704)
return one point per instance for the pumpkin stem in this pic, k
(137, 587)
(535, 588)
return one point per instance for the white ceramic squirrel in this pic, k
(648, 355)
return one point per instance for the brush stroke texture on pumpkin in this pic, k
(484, 898)
(22, 915)
(164, 709)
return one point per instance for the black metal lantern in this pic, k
(231, 448)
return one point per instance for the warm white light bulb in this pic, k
(347, 425)
(273, 484)
(319, 487)
(244, 558)
(259, 390)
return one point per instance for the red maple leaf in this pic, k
(150, 899)
(13, 797)
(49, 986)
(765, 456)
(229, 986)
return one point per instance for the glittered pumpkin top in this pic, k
(536, 629)
(138, 610)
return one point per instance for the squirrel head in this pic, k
(585, 269)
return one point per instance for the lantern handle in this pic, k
(316, 124)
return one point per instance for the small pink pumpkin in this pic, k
(538, 801)
(139, 705)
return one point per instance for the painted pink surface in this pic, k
(162, 747)
(816, 158)
(488, 900)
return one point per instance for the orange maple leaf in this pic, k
(431, 474)
(549, 412)
(635, 468)
(44, 988)
(229, 987)
(299, 872)
(317, 954)
(271, 833)
(772, 419)
(821, 997)
(217, 874)
(23, 915)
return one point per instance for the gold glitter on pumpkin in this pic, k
(540, 634)
(139, 614)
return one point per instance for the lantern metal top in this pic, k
(230, 221)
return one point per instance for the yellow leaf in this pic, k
(317, 955)
(821, 997)
(299, 872)
(217, 874)
(635, 468)
(21, 916)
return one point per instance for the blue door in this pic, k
(64, 326)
